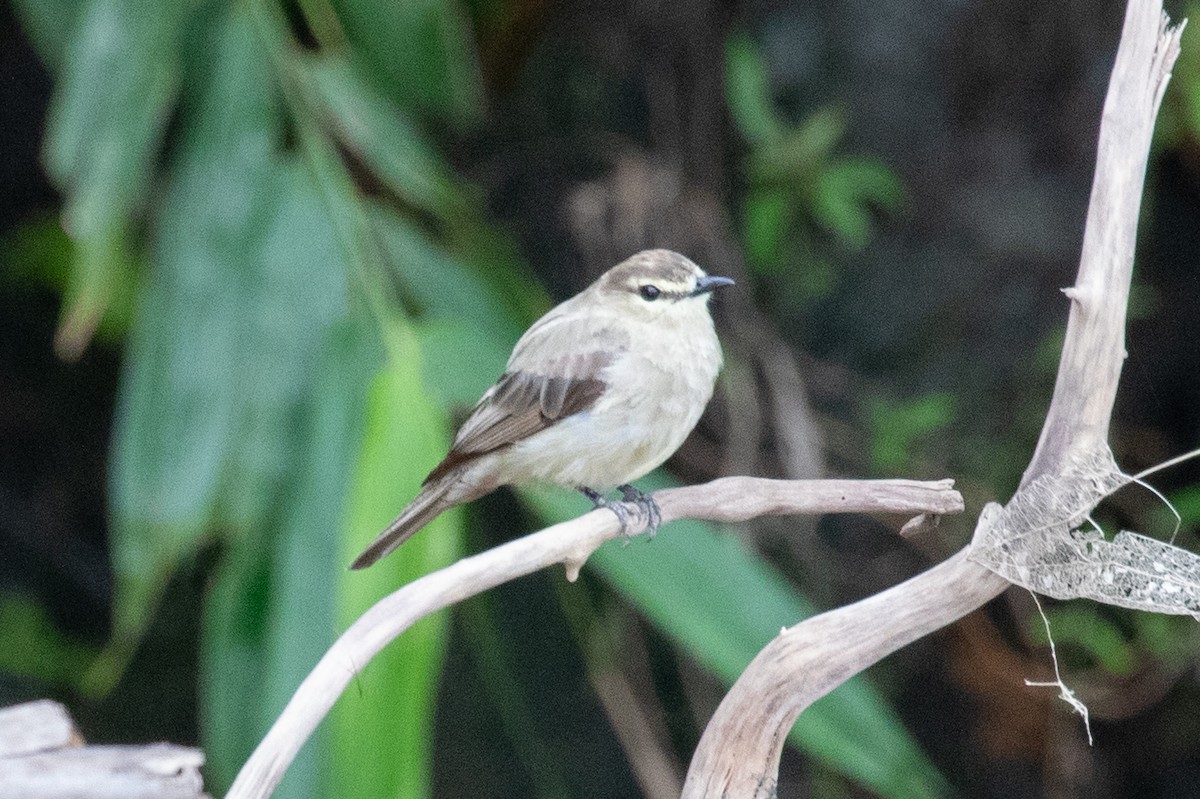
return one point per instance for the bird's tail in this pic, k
(421, 511)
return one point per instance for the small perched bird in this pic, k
(599, 391)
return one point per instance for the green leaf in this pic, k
(748, 91)
(897, 427)
(294, 293)
(422, 51)
(232, 655)
(436, 285)
(1170, 640)
(380, 134)
(477, 361)
(382, 732)
(721, 603)
(287, 351)
(846, 191)
(463, 320)
(1083, 626)
(766, 218)
(118, 84)
(48, 24)
(303, 604)
(794, 157)
(272, 612)
(40, 253)
(1187, 504)
(247, 278)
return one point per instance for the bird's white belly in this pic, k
(642, 418)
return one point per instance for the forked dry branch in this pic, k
(738, 755)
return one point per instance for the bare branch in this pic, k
(569, 543)
(739, 752)
(1094, 349)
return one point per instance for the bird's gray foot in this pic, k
(600, 501)
(647, 505)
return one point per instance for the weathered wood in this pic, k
(569, 543)
(738, 754)
(43, 757)
(36, 727)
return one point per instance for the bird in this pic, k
(597, 393)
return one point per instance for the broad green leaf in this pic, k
(291, 300)
(421, 50)
(174, 420)
(766, 219)
(721, 602)
(118, 83)
(477, 361)
(232, 655)
(303, 604)
(380, 134)
(1170, 640)
(463, 322)
(382, 731)
(842, 214)
(393, 708)
(280, 491)
(438, 286)
(247, 277)
(494, 258)
(48, 24)
(473, 303)
(273, 608)
(868, 180)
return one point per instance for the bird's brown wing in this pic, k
(523, 402)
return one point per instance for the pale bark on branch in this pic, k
(738, 755)
(569, 543)
(42, 756)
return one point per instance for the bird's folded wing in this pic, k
(522, 403)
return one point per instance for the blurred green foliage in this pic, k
(798, 186)
(31, 645)
(271, 403)
(898, 428)
(293, 262)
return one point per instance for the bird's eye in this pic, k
(649, 292)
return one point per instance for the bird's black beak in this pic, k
(710, 282)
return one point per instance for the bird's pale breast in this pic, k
(656, 392)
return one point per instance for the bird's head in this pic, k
(657, 284)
